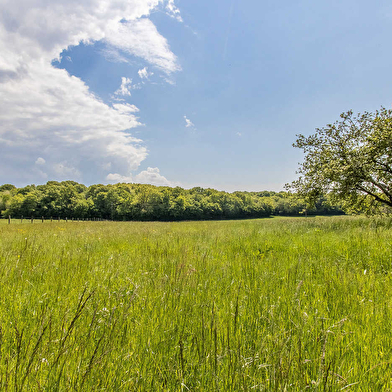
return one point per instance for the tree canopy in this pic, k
(350, 160)
(68, 199)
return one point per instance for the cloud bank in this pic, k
(51, 125)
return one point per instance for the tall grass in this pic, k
(259, 305)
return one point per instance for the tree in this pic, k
(7, 187)
(351, 160)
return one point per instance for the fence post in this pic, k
(9, 219)
(42, 219)
(66, 219)
(32, 220)
(51, 219)
(21, 219)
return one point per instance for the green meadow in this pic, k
(275, 304)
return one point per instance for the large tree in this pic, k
(351, 160)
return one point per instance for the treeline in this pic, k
(68, 199)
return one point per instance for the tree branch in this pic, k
(375, 196)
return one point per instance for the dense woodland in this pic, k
(68, 199)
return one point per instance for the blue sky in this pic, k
(188, 93)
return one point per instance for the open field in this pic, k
(259, 305)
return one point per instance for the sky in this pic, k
(181, 92)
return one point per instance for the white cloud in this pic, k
(40, 161)
(173, 11)
(126, 86)
(188, 123)
(44, 110)
(113, 55)
(115, 178)
(170, 81)
(144, 74)
(61, 118)
(125, 108)
(125, 89)
(42, 174)
(65, 171)
(150, 176)
(141, 38)
(239, 134)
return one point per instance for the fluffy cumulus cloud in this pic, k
(149, 176)
(152, 176)
(116, 177)
(49, 114)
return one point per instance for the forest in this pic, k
(141, 202)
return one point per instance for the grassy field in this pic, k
(282, 304)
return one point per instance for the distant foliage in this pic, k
(68, 199)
